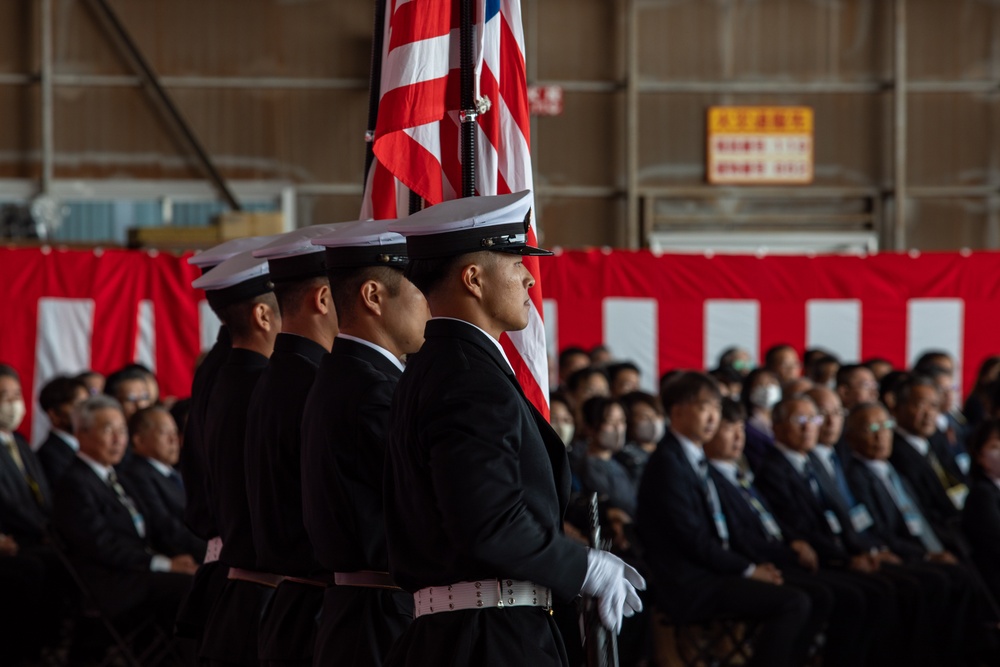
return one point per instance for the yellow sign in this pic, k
(760, 145)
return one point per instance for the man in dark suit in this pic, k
(900, 521)
(57, 399)
(118, 552)
(273, 443)
(240, 292)
(345, 427)
(25, 498)
(198, 515)
(981, 514)
(157, 485)
(477, 482)
(920, 454)
(685, 536)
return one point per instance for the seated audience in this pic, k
(599, 472)
(696, 576)
(730, 382)
(157, 485)
(856, 384)
(736, 359)
(761, 393)
(981, 514)
(951, 423)
(93, 380)
(600, 356)
(561, 418)
(58, 398)
(623, 377)
(571, 359)
(646, 426)
(783, 361)
(799, 385)
(824, 371)
(878, 366)
(116, 549)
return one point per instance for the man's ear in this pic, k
(472, 279)
(373, 296)
(322, 299)
(265, 318)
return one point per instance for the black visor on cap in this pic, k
(509, 238)
(350, 257)
(298, 267)
(244, 291)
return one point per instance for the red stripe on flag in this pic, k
(413, 165)
(411, 106)
(383, 193)
(417, 20)
(512, 80)
(524, 377)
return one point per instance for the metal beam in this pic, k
(632, 120)
(48, 134)
(899, 105)
(164, 103)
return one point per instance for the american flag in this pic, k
(417, 138)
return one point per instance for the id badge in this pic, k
(913, 524)
(861, 520)
(963, 462)
(833, 522)
(958, 494)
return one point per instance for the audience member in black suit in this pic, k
(755, 534)
(623, 378)
(683, 532)
(157, 484)
(952, 425)
(117, 550)
(599, 472)
(571, 359)
(856, 384)
(977, 406)
(920, 454)
(58, 398)
(900, 522)
(981, 514)
(25, 499)
(761, 392)
(646, 426)
(130, 387)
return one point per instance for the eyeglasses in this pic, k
(888, 425)
(803, 420)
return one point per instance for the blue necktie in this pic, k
(909, 509)
(841, 480)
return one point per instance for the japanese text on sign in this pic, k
(760, 145)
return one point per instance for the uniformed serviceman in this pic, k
(273, 441)
(382, 317)
(211, 576)
(243, 298)
(476, 480)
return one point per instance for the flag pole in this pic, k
(374, 84)
(468, 112)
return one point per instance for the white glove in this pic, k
(613, 582)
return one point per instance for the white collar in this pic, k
(797, 459)
(68, 438)
(160, 466)
(99, 469)
(918, 443)
(482, 331)
(694, 454)
(378, 348)
(729, 469)
(880, 468)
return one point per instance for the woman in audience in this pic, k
(761, 392)
(645, 427)
(981, 515)
(561, 418)
(604, 430)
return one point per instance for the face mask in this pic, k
(612, 440)
(565, 431)
(11, 414)
(990, 461)
(765, 396)
(650, 431)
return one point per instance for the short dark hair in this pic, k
(845, 372)
(667, 378)
(238, 316)
(620, 367)
(783, 407)
(578, 377)
(6, 370)
(142, 419)
(346, 283)
(634, 398)
(930, 358)
(595, 410)
(60, 390)
(726, 356)
(732, 411)
(687, 388)
(851, 424)
(726, 375)
(906, 387)
(558, 397)
(428, 274)
(570, 351)
(890, 383)
(121, 376)
(291, 294)
(771, 356)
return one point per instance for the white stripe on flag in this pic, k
(62, 346)
(935, 324)
(208, 325)
(631, 332)
(731, 323)
(145, 336)
(834, 325)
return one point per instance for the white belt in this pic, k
(213, 550)
(498, 593)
